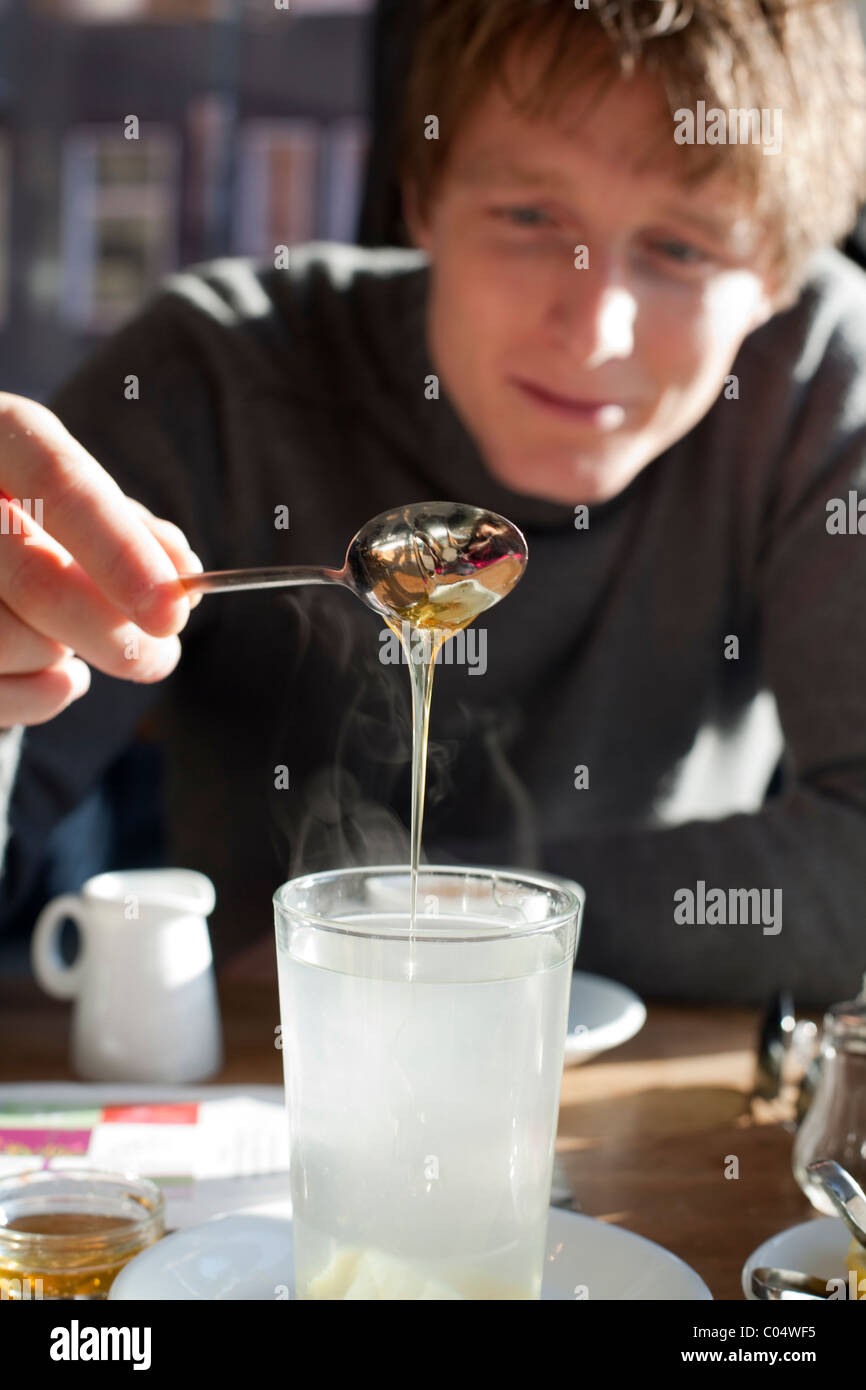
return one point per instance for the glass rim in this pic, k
(530, 879)
(133, 1185)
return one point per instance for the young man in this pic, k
(629, 336)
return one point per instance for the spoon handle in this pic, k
(845, 1192)
(219, 581)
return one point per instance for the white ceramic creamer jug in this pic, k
(146, 1006)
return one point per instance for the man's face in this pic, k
(571, 380)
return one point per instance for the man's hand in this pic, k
(86, 573)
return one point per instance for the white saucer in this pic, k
(602, 1014)
(248, 1256)
(819, 1247)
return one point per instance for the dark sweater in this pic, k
(305, 389)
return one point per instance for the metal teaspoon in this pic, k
(436, 564)
(777, 1285)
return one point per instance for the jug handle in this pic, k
(53, 974)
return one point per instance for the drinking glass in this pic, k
(422, 1072)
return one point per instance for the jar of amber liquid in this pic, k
(68, 1233)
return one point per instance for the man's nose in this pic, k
(594, 315)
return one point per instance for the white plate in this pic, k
(815, 1247)
(248, 1256)
(602, 1014)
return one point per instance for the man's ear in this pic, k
(416, 225)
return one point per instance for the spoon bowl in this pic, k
(432, 564)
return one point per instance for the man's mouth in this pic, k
(602, 415)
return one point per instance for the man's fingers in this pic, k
(47, 590)
(24, 650)
(174, 542)
(73, 498)
(39, 696)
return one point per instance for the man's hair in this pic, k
(803, 57)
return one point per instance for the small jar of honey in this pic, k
(67, 1233)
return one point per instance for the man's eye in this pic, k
(523, 216)
(681, 252)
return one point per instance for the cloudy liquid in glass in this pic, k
(404, 1185)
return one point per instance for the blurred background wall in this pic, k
(250, 129)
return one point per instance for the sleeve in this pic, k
(806, 848)
(142, 405)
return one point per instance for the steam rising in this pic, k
(351, 805)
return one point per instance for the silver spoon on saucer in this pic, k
(782, 1285)
(434, 564)
(848, 1198)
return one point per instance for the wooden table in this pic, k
(645, 1132)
